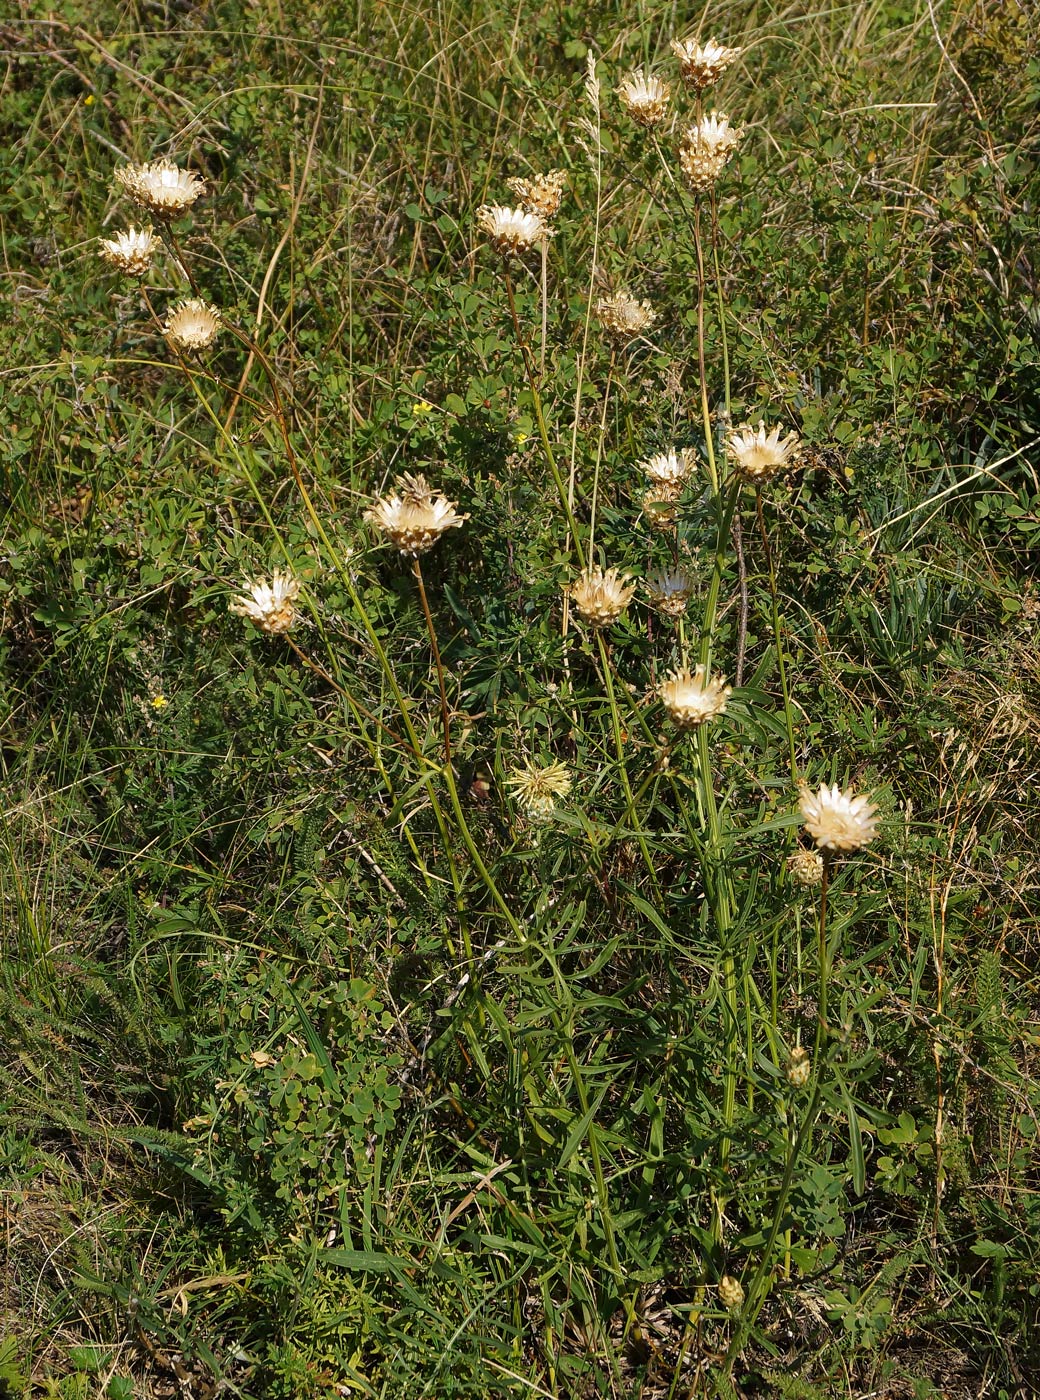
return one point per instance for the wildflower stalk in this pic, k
(709, 436)
(619, 748)
(431, 630)
(599, 454)
(780, 660)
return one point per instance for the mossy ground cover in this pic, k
(340, 1055)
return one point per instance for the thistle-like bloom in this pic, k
(270, 605)
(670, 469)
(541, 195)
(512, 231)
(690, 699)
(538, 789)
(731, 1293)
(706, 149)
(836, 820)
(161, 187)
(702, 65)
(623, 318)
(131, 251)
(799, 1067)
(192, 325)
(758, 456)
(669, 591)
(806, 867)
(414, 516)
(601, 596)
(645, 98)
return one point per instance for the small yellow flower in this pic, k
(88, 101)
(270, 605)
(836, 820)
(512, 231)
(645, 98)
(414, 516)
(600, 596)
(192, 325)
(538, 789)
(706, 149)
(758, 456)
(541, 195)
(159, 702)
(623, 317)
(161, 187)
(703, 65)
(421, 408)
(690, 699)
(131, 251)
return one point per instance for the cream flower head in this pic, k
(623, 317)
(661, 508)
(669, 591)
(270, 605)
(538, 789)
(131, 251)
(731, 1293)
(541, 195)
(600, 596)
(192, 325)
(836, 820)
(690, 700)
(706, 149)
(161, 187)
(645, 98)
(670, 469)
(511, 231)
(758, 456)
(702, 65)
(414, 516)
(799, 1067)
(806, 867)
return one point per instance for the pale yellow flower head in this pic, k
(600, 596)
(539, 789)
(414, 516)
(192, 325)
(670, 469)
(130, 251)
(691, 700)
(731, 1293)
(705, 150)
(541, 194)
(758, 456)
(512, 231)
(669, 591)
(161, 187)
(799, 1067)
(661, 508)
(702, 65)
(645, 98)
(806, 867)
(836, 820)
(271, 605)
(623, 317)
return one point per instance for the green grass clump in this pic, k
(407, 987)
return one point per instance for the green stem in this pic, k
(780, 659)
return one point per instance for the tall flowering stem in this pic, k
(778, 638)
(431, 630)
(709, 437)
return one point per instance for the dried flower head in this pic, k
(705, 150)
(541, 195)
(601, 596)
(731, 1294)
(511, 231)
(836, 820)
(270, 605)
(623, 318)
(758, 456)
(691, 700)
(414, 516)
(670, 469)
(131, 251)
(669, 591)
(799, 1067)
(538, 789)
(661, 508)
(161, 187)
(702, 65)
(806, 867)
(645, 98)
(192, 325)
